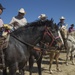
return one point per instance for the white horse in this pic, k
(69, 42)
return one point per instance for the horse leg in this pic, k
(5, 71)
(72, 56)
(31, 61)
(12, 69)
(39, 65)
(52, 54)
(67, 56)
(56, 58)
(22, 67)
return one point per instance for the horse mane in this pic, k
(32, 27)
(39, 23)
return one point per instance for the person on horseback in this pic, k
(19, 20)
(42, 17)
(71, 28)
(61, 23)
(1, 21)
(41, 21)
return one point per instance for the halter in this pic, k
(48, 32)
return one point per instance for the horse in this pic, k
(69, 43)
(50, 42)
(21, 44)
(54, 51)
(38, 56)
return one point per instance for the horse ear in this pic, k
(52, 19)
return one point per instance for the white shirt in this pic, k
(1, 22)
(21, 22)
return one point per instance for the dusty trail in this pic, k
(66, 70)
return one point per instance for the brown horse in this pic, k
(53, 50)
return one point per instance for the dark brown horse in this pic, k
(21, 44)
(52, 38)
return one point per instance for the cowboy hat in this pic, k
(42, 15)
(1, 7)
(22, 11)
(62, 17)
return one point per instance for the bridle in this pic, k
(46, 32)
(50, 34)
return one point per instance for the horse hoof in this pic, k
(73, 63)
(66, 64)
(59, 70)
(51, 72)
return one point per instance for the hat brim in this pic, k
(41, 17)
(22, 13)
(62, 19)
(2, 8)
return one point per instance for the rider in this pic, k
(61, 23)
(1, 21)
(19, 20)
(71, 28)
(42, 19)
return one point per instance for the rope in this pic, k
(25, 43)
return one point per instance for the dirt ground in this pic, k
(65, 70)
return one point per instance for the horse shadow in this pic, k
(35, 69)
(47, 60)
(1, 73)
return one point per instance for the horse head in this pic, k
(51, 34)
(64, 32)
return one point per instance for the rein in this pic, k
(25, 43)
(48, 32)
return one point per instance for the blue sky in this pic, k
(52, 8)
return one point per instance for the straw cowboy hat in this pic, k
(42, 16)
(63, 18)
(22, 11)
(1, 7)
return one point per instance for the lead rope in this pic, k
(26, 43)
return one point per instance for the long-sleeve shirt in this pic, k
(1, 25)
(1, 22)
(61, 24)
(21, 22)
